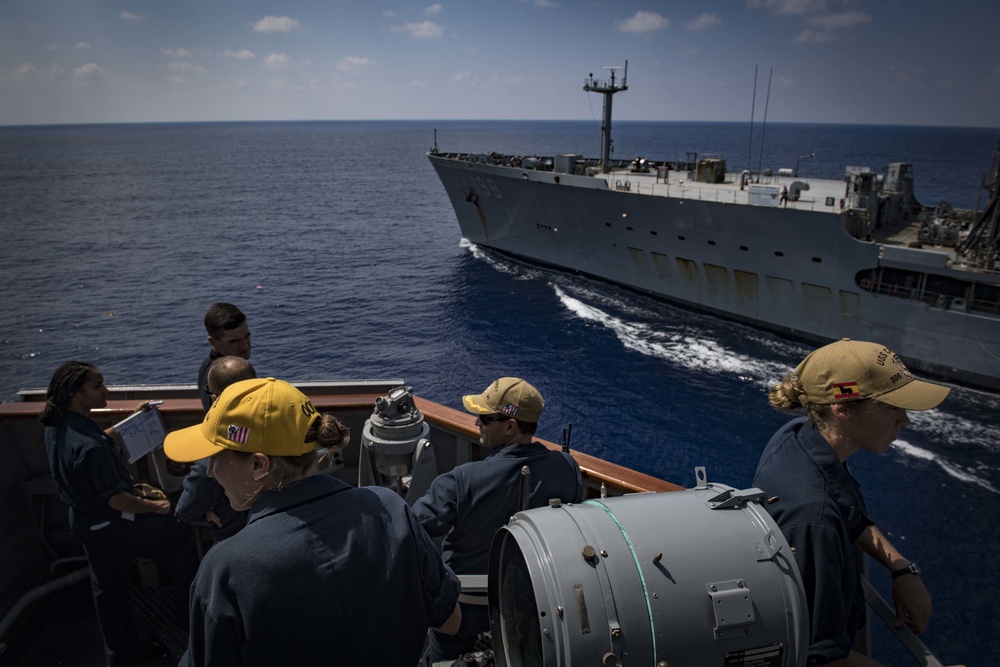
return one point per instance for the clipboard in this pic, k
(140, 433)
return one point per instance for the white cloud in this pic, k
(81, 46)
(179, 80)
(184, 53)
(702, 22)
(277, 61)
(30, 72)
(242, 54)
(842, 20)
(89, 73)
(276, 24)
(545, 3)
(353, 63)
(420, 30)
(465, 77)
(186, 67)
(433, 9)
(813, 37)
(126, 15)
(788, 6)
(643, 22)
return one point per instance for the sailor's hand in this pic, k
(147, 405)
(913, 602)
(213, 518)
(160, 506)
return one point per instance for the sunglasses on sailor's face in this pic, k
(486, 419)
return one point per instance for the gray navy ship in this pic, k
(813, 259)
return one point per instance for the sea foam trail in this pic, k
(958, 472)
(680, 348)
(944, 428)
(512, 267)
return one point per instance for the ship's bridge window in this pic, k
(711, 243)
(681, 238)
(778, 253)
(818, 260)
(653, 232)
(744, 248)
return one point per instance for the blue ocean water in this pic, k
(339, 243)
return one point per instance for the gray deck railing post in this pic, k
(917, 648)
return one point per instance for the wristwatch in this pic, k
(912, 568)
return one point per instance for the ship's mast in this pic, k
(981, 248)
(607, 88)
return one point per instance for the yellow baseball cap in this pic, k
(509, 396)
(258, 415)
(853, 369)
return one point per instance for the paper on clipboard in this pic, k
(141, 433)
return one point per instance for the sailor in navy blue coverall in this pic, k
(350, 568)
(201, 494)
(203, 498)
(114, 525)
(856, 395)
(468, 504)
(229, 335)
(821, 512)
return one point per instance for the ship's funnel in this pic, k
(395, 450)
(696, 577)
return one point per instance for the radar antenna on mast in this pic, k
(607, 87)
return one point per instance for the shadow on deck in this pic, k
(64, 631)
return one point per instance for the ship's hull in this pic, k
(788, 270)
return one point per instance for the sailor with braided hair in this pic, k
(114, 525)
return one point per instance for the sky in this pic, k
(893, 62)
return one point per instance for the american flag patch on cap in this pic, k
(237, 434)
(509, 410)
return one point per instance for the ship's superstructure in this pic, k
(816, 259)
